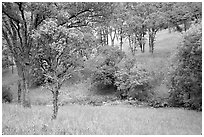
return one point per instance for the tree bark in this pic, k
(55, 103)
(25, 93)
(19, 91)
(121, 42)
(112, 36)
(12, 69)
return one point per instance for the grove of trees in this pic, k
(49, 41)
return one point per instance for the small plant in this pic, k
(7, 96)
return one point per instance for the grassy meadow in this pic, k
(101, 120)
(77, 119)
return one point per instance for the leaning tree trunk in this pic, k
(55, 103)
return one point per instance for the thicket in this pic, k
(112, 68)
(104, 66)
(186, 71)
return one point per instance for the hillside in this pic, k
(110, 119)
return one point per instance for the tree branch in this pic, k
(75, 16)
(6, 12)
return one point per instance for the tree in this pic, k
(6, 57)
(58, 56)
(136, 29)
(138, 13)
(154, 22)
(186, 71)
(120, 18)
(178, 13)
(61, 44)
(18, 21)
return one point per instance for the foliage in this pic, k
(7, 96)
(133, 83)
(182, 13)
(6, 61)
(105, 66)
(186, 73)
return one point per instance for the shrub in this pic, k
(186, 71)
(134, 83)
(104, 66)
(6, 94)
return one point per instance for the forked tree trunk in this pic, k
(112, 37)
(55, 103)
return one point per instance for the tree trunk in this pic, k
(150, 48)
(112, 37)
(121, 42)
(19, 91)
(25, 93)
(143, 47)
(112, 42)
(152, 44)
(12, 69)
(55, 103)
(107, 37)
(129, 38)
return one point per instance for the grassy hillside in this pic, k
(156, 63)
(105, 120)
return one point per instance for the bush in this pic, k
(104, 66)
(186, 71)
(134, 83)
(6, 94)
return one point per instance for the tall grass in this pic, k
(106, 120)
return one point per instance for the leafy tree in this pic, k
(178, 13)
(18, 21)
(136, 31)
(136, 25)
(61, 43)
(58, 55)
(154, 22)
(186, 71)
(119, 18)
(24, 23)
